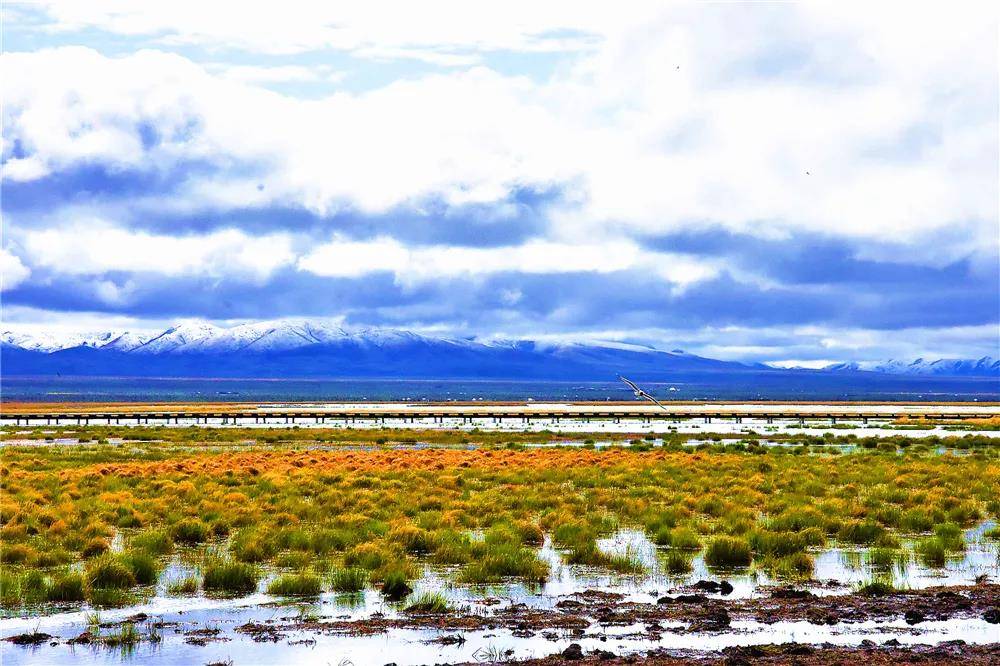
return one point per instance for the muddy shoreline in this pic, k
(700, 612)
(803, 655)
(697, 610)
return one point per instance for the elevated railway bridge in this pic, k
(346, 414)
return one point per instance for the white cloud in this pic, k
(344, 258)
(96, 248)
(378, 29)
(277, 73)
(897, 133)
(12, 271)
(654, 119)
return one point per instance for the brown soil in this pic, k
(699, 611)
(802, 655)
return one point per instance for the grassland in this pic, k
(97, 522)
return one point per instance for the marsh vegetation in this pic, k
(97, 523)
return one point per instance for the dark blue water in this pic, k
(132, 389)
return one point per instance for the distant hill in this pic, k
(309, 349)
(947, 367)
(297, 348)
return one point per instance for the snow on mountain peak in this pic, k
(51, 341)
(984, 366)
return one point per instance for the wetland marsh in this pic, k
(199, 545)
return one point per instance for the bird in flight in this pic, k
(639, 393)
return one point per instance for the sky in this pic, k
(789, 183)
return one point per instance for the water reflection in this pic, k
(837, 570)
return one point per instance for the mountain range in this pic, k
(304, 348)
(948, 367)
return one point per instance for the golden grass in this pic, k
(381, 509)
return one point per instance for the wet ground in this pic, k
(672, 617)
(719, 431)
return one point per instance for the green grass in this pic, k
(68, 586)
(370, 556)
(154, 542)
(499, 561)
(626, 563)
(917, 520)
(143, 566)
(950, 535)
(412, 539)
(932, 552)
(183, 587)
(885, 558)
(795, 566)
(190, 531)
(296, 585)
(684, 538)
(428, 602)
(296, 559)
(229, 576)
(252, 546)
(862, 532)
(777, 544)
(452, 547)
(724, 551)
(676, 562)
(395, 586)
(877, 587)
(110, 598)
(10, 588)
(126, 635)
(348, 579)
(109, 572)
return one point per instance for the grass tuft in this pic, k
(190, 531)
(727, 551)
(296, 585)
(348, 579)
(66, 587)
(428, 602)
(108, 572)
(184, 587)
(395, 586)
(229, 576)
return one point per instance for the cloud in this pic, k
(374, 29)
(278, 73)
(662, 170)
(693, 146)
(97, 248)
(12, 271)
(344, 258)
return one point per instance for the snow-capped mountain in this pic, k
(277, 335)
(305, 348)
(188, 337)
(54, 341)
(986, 366)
